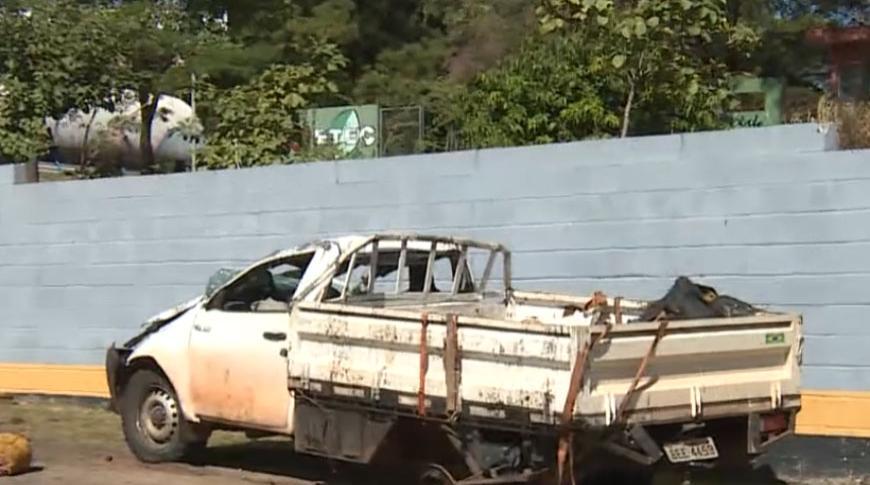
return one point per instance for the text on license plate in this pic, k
(692, 450)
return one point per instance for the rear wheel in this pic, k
(154, 427)
(435, 475)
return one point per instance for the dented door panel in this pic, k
(238, 367)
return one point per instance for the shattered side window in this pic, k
(220, 278)
(268, 287)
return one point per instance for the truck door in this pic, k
(238, 349)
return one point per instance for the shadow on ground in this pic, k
(277, 457)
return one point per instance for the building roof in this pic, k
(829, 36)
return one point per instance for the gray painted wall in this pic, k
(764, 214)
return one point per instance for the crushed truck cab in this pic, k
(357, 347)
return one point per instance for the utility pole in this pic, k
(193, 107)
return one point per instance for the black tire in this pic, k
(435, 475)
(154, 426)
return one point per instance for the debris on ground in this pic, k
(16, 454)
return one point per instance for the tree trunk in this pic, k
(626, 114)
(84, 155)
(148, 111)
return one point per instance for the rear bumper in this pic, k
(763, 430)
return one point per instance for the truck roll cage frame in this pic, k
(375, 246)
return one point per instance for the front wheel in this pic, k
(154, 427)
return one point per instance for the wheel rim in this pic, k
(436, 475)
(158, 416)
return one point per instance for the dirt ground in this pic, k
(81, 444)
(78, 444)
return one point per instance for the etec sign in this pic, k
(353, 129)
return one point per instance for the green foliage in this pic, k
(53, 58)
(481, 69)
(669, 55)
(550, 91)
(257, 123)
(155, 41)
(63, 55)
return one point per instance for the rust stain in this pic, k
(424, 364)
(550, 348)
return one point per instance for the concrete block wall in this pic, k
(768, 215)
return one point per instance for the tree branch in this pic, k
(148, 110)
(626, 114)
(632, 90)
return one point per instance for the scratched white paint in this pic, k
(519, 354)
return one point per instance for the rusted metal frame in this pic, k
(507, 271)
(707, 325)
(441, 239)
(424, 363)
(460, 270)
(330, 271)
(487, 271)
(413, 316)
(452, 365)
(430, 268)
(468, 457)
(650, 451)
(373, 267)
(353, 251)
(403, 259)
(578, 372)
(617, 310)
(347, 277)
(559, 299)
(623, 404)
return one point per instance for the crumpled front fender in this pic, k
(115, 362)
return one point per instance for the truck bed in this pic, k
(515, 360)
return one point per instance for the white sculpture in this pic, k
(114, 136)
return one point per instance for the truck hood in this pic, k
(163, 318)
(173, 312)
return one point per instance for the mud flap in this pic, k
(341, 434)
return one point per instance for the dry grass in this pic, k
(50, 419)
(47, 420)
(852, 120)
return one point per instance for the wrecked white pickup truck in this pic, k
(417, 349)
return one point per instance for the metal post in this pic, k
(403, 257)
(193, 107)
(420, 130)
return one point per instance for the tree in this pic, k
(257, 123)
(666, 53)
(155, 40)
(55, 55)
(479, 33)
(603, 69)
(550, 91)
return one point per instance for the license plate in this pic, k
(692, 450)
